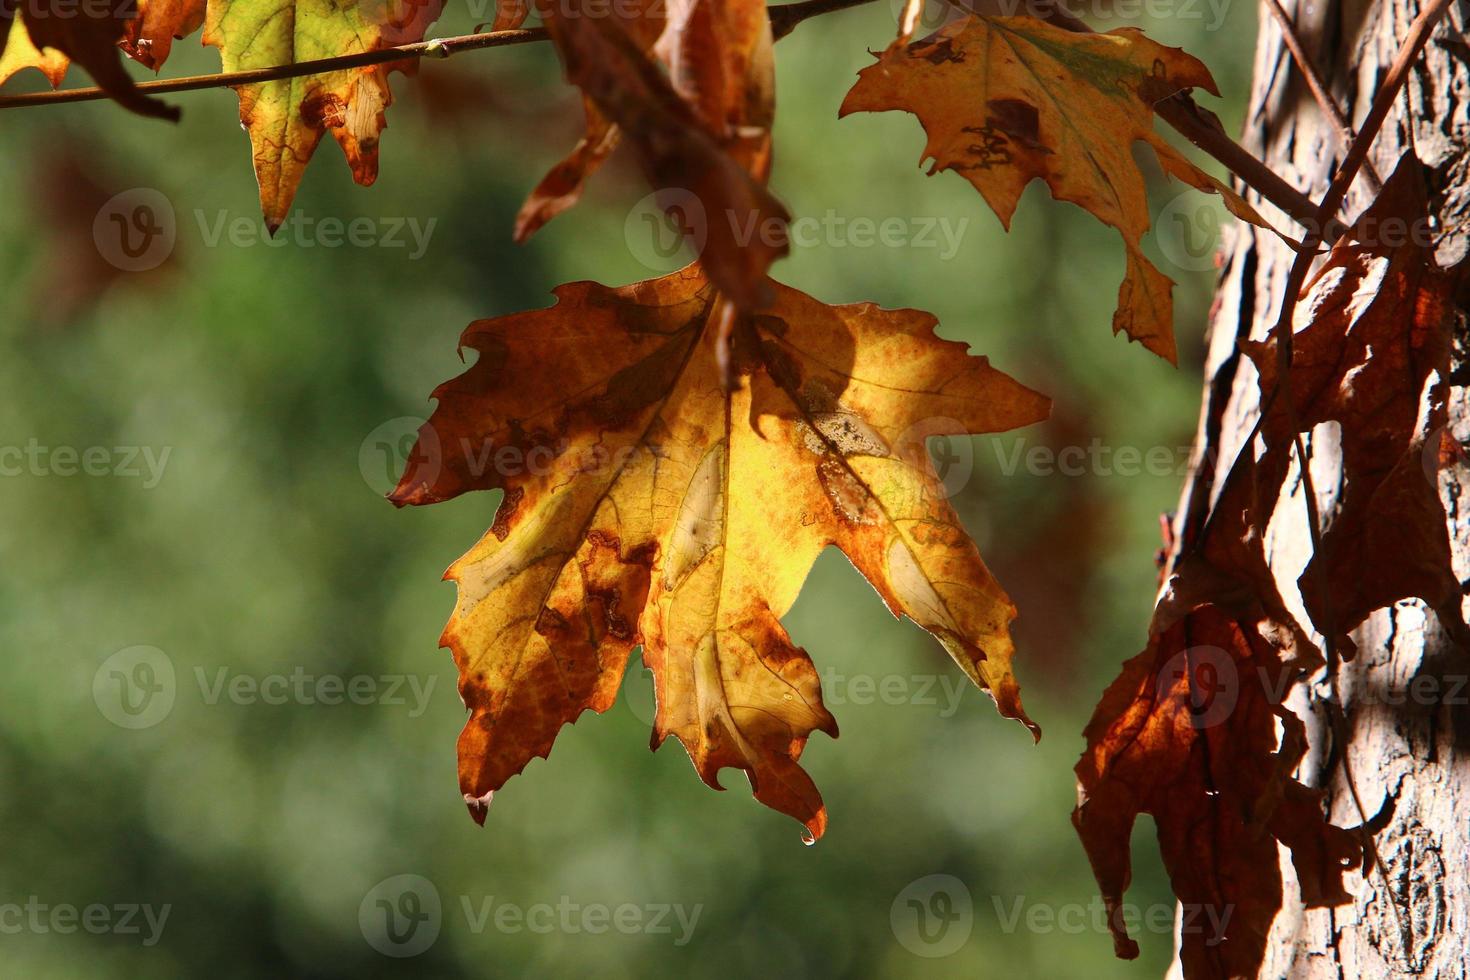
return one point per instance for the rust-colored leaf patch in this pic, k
(1189, 731)
(1371, 353)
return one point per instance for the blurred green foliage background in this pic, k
(273, 377)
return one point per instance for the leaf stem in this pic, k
(1202, 128)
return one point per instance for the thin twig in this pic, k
(1325, 101)
(784, 19)
(1357, 155)
(1202, 128)
(437, 48)
(1193, 123)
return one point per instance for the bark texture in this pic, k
(1405, 695)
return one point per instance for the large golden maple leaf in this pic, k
(649, 503)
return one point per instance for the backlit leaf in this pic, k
(286, 119)
(648, 504)
(1007, 100)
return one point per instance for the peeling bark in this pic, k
(1406, 698)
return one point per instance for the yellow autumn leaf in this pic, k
(1006, 100)
(20, 53)
(51, 35)
(648, 504)
(148, 37)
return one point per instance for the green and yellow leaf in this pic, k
(286, 119)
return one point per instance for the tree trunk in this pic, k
(1407, 741)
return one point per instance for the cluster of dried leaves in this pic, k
(1196, 731)
(706, 434)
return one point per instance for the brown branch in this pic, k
(437, 48)
(1325, 101)
(1357, 155)
(784, 19)
(1202, 128)
(1197, 125)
